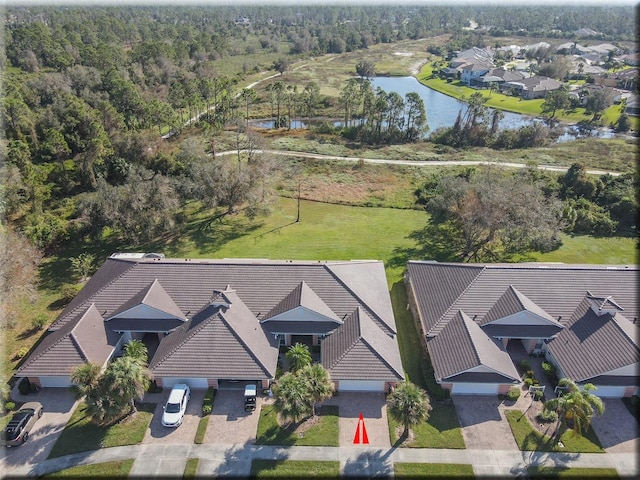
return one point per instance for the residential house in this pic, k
(211, 322)
(473, 317)
(632, 107)
(532, 87)
(472, 71)
(496, 76)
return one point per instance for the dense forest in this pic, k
(88, 92)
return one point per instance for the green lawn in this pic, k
(530, 439)
(80, 434)
(442, 430)
(191, 468)
(432, 470)
(113, 470)
(549, 473)
(324, 433)
(588, 249)
(294, 469)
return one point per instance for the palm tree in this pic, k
(86, 378)
(298, 357)
(127, 378)
(409, 404)
(576, 407)
(291, 396)
(318, 382)
(136, 350)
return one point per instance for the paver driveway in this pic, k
(617, 429)
(374, 411)
(185, 433)
(229, 423)
(484, 426)
(58, 405)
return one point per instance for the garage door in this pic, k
(55, 381)
(361, 386)
(475, 388)
(610, 392)
(168, 382)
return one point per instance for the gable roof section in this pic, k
(437, 287)
(151, 309)
(85, 339)
(359, 349)
(590, 345)
(462, 346)
(302, 296)
(218, 342)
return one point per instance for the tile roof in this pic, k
(511, 302)
(302, 296)
(359, 349)
(441, 290)
(83, 339)
(218, 342)
(462, 346)
(222, 301)
(591, 345)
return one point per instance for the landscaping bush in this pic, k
(550, 372)
(530, 374)
(22, 352)
(39, 321)
(528, 381)
(207, 402)
(524, 365)
(547, 416)
(513, 393)
(9, 406)
(206, 409)
(69, 291)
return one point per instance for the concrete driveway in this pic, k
(484, 426)
(58, 405)
(185, 433)
(617, 429)
(229, 423)
(373, 407)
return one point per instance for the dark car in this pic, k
(17, 431)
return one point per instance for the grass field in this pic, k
(432, 470)
(294, 469)
(529, 439)
(118, 470)
(442, 430)
(322, 433)
(80, 434)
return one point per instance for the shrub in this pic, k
(547, 416)
(9, 406)
(206, 409)
(528, 381)
(207, 402)
(538, 394)
(69, 291)
(530, 374)
(22, 352)
(513, 393)
(524, 365)
(39, 321)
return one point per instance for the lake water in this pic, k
(442, 110)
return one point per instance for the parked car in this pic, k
(249, 398)
(176, 405)
(18, 428)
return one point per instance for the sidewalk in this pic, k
(234, 460)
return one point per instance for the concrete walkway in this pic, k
(235, 460)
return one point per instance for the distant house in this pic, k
(585, 32)
(582, 318)
(532, 87)
(632, 59)
(472, 55)
(496, 76)
(473, 71)
(633, 106)
(212, 322)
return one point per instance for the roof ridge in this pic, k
(149, 288)
(362, 302)
(619, 325)
(104, 287)
(377, 354)
(76, 343)
(244, 344)
(473, 344)
(441, 323)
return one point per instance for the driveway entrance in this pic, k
(484, 426)
(229, 423)
(373, 407)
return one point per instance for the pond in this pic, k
(442, 110)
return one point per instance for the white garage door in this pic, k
(56, 382)
(475, 388)
(609, 392)
(361, 386)
(168, 382)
